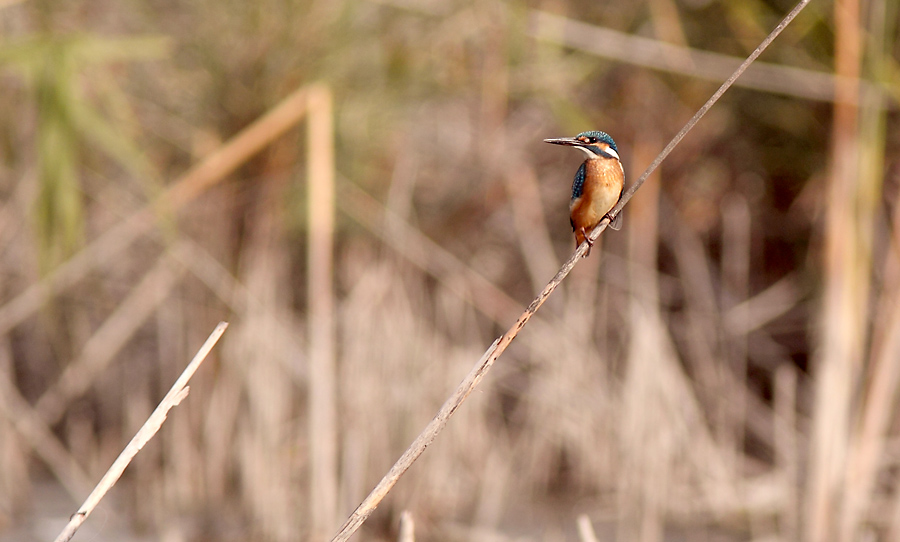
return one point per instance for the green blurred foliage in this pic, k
(58, 71)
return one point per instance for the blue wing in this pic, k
(578, 185)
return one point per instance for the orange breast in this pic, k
(603, 181)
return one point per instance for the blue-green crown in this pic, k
(601, 136)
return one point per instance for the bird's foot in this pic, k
(587, 240)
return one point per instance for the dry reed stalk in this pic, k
(845, 273)
(320, 291)
(497, 477)
(646, 446)
(643, 237)
(787, 456)
(764, 307)
(407, 527)
(735, 285)
(656, 54)
(108, 340)
(648, 442)
(878, 410)
(471, 381)
(876, 405)
(176, 394)
(104, 249)
(585, 529)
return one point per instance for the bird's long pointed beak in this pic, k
(568, 141)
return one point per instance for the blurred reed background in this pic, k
(725, 368)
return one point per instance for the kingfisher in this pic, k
(598, 183)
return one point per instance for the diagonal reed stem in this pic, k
(427, 436)
(177, 393)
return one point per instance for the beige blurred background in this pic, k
(361, 190)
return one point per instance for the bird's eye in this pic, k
(592, 140)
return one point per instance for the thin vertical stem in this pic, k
(876, 407)
(322, 394)
(842, 325)
(736, 247)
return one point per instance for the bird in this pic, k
(598, 183)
